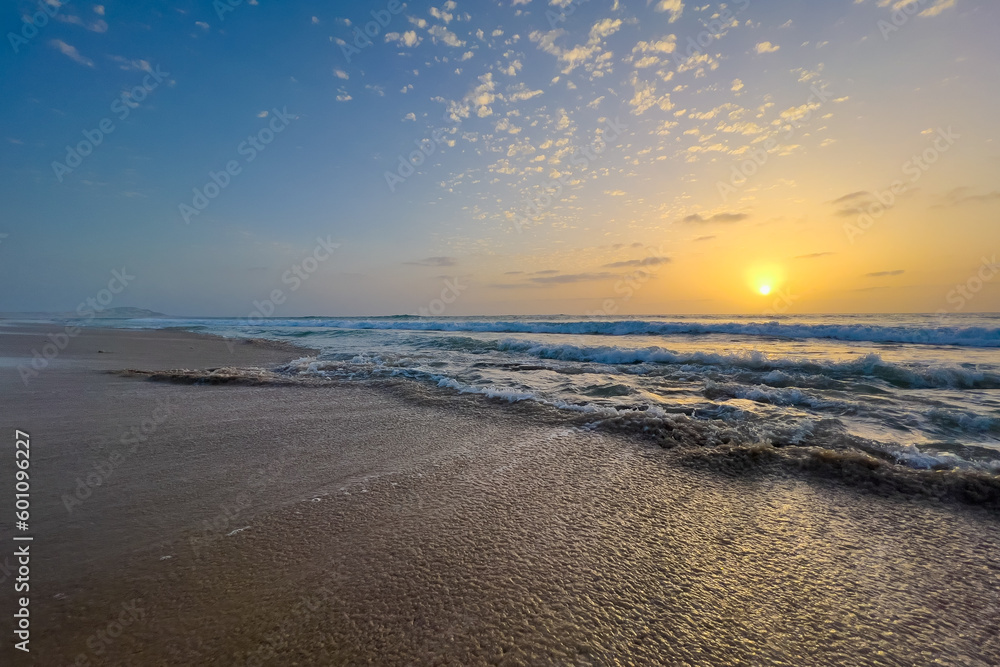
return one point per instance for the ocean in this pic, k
(917, 389)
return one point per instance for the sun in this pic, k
(764, 279)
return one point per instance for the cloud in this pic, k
(648, 261)
(882, 274)
(71, 52)
(94, 26)
(590, 55)
(441, 34)
(132, 65)
(648, 53)
(408, 38)
(767, 47)
(434, 261)
(705, 238)
(521, 93)
(853, 204)
(938, 7)
(718, 217)
(441, 15)
(341, 74)
(675, 7)
(647, 96)
(860, 194)
(572, 278)
(737, 86)
(815, 255)
(963, 195)
(667, 44)
(604, 28)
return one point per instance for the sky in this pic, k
(580, 157)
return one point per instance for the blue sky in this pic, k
(573, 143)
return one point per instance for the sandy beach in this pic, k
(391, 524)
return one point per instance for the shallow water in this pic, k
(924, 387)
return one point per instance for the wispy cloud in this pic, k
(94, 26)
(434, 261)
(718, 217)
(883, 274)
(71, 52)
(853, 204)
(964, 195)
(648, 261)
(572, 278)
(675, 7)
(938, 7)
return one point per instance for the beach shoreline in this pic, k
(347, 524)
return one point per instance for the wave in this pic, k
(823, 440)
(975, 336)
(871, 365)
(967, 336)
(772, 396)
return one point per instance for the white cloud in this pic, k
(767, 47)
(132, 65)
(646, 96)
(938, 7)
(340, 74)
(440, 15)
(595, 59)
(666, 45)
(408, 38)
(675, 7)
(71, 52)
(442, 34)
(737, 86)
(604, 28)
(523, 94)
(96, 26)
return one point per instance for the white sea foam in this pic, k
(926, 334)
(870, 364)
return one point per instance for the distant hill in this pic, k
(127, 313)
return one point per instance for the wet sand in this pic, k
(390, 525)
